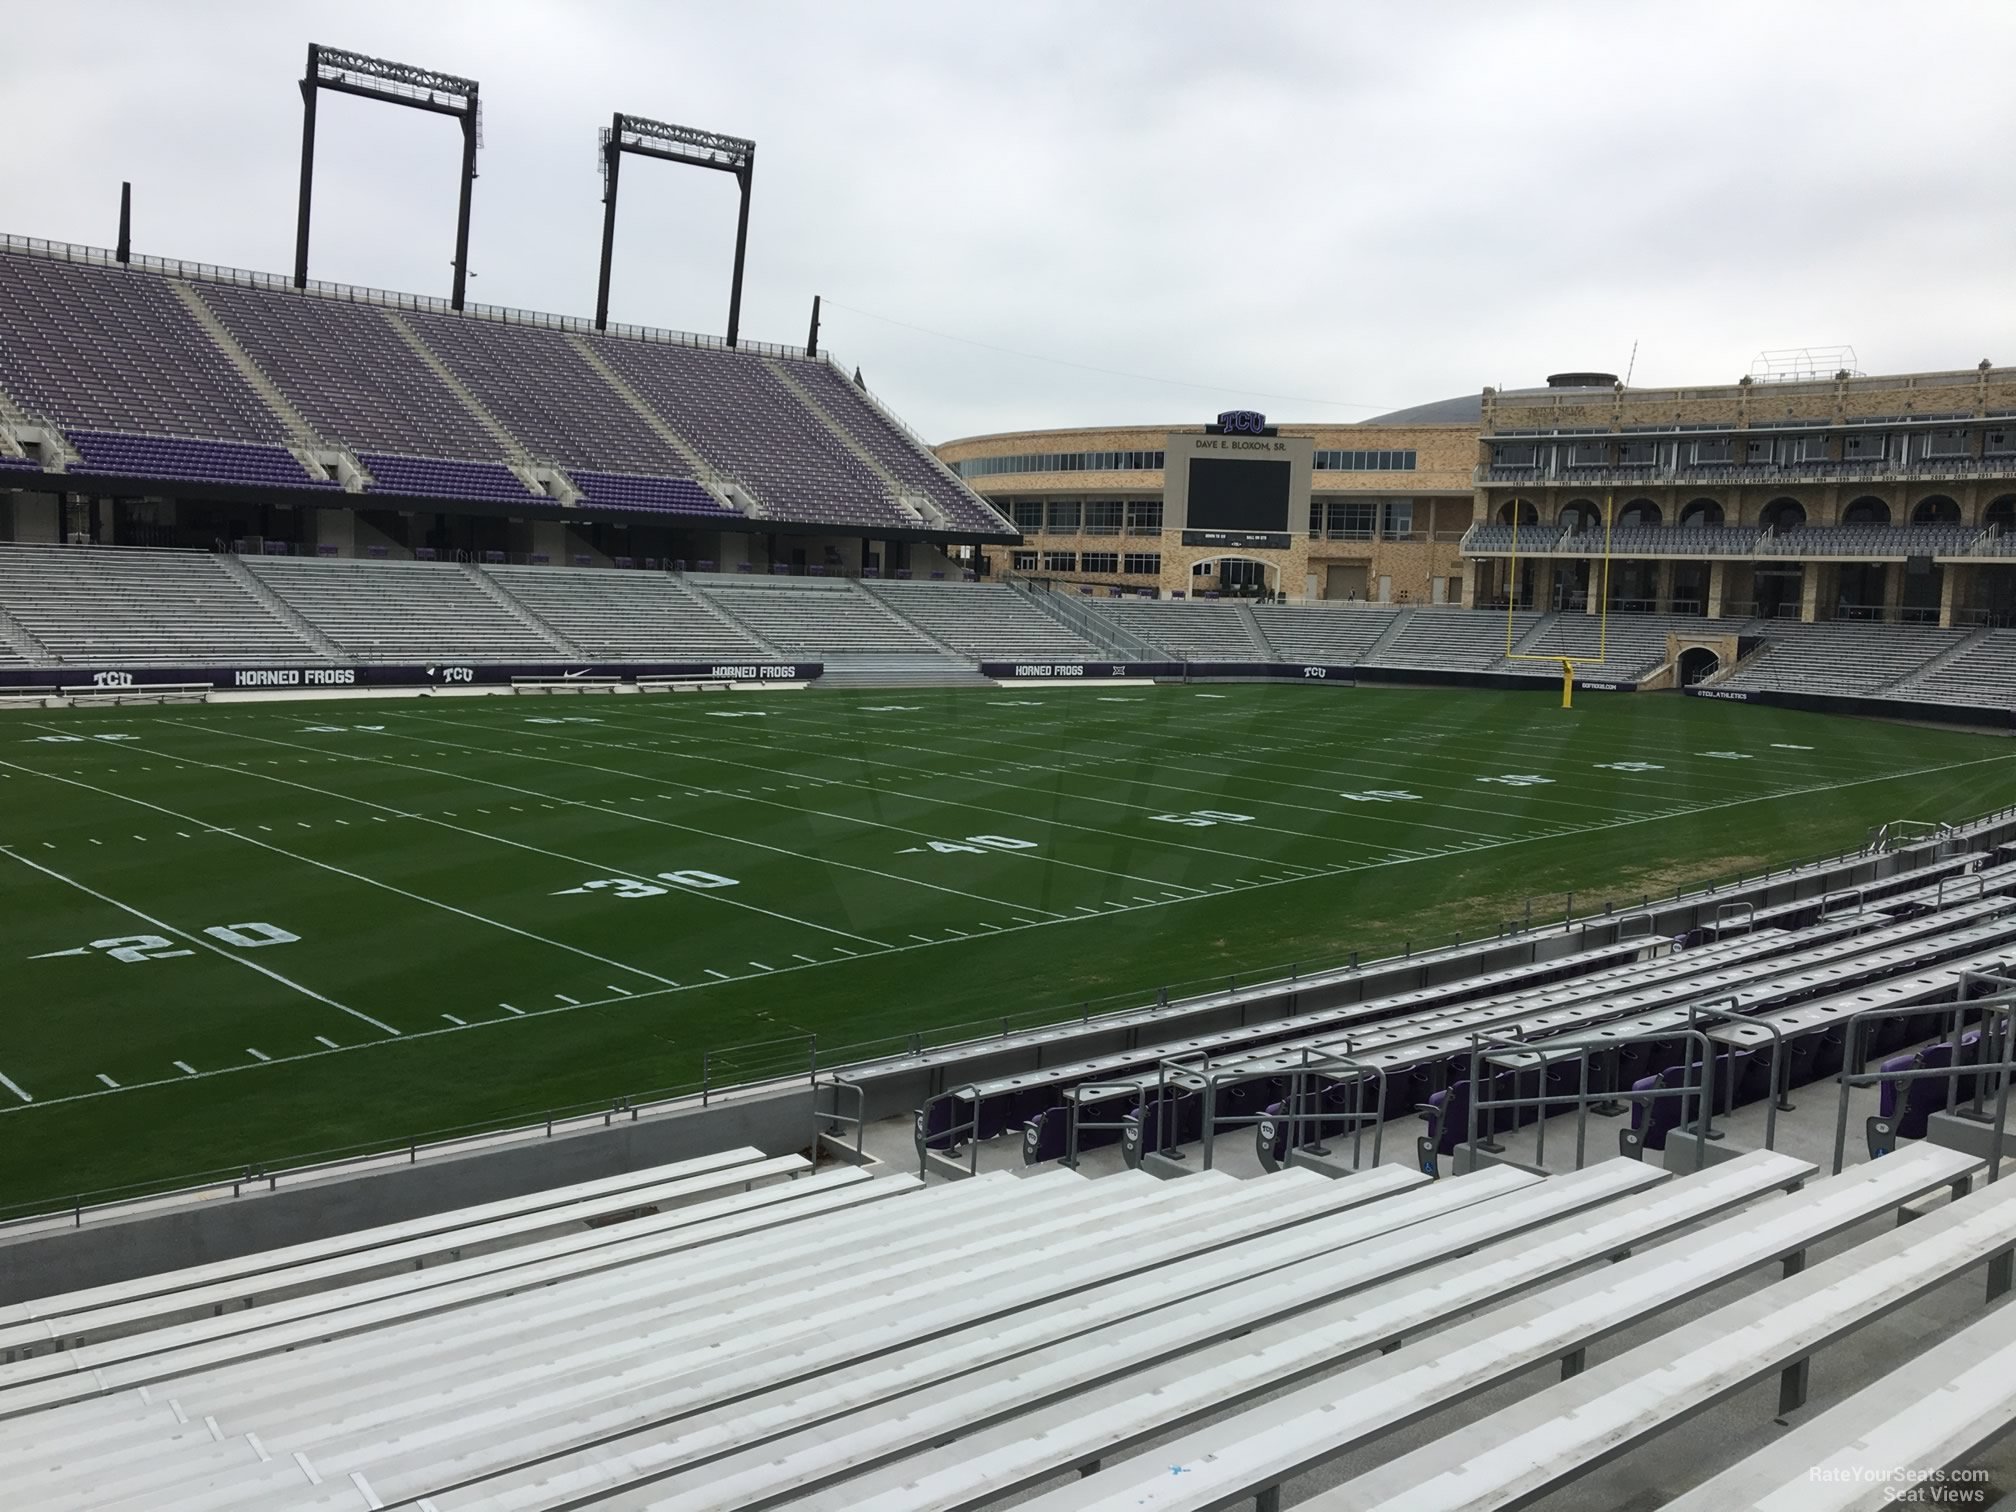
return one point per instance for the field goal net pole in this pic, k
(1601, 588)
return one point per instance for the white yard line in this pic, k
(460, 829)
(1624, 822)
(15, 1087)
(182, 934)
(602, 808)
(339, 871)
(903, 830)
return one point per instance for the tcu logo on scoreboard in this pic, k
(1246, 422)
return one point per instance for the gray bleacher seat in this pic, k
(628, 616)
(802, 618)
(1838, 656)
(1452, 639)
(402, 611)
(1336, 635)
(1983, 675)
(123, 606)
(1194, 630)
(986, 621)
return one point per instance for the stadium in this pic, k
(595, 922)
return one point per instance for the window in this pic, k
(1028, 514)
(1588, 453)
(1099, 561)
(1060, 561)
(1039, 462)
(1812, 448)
(1998, 443)
(1758, 452)
(1638, 453)
(1381, 461)
(1343, 519)
(1064, 515)
(1104, 516)
(1715, 450)
(1144, 517)
(1023, 561)
(1397, 518)
(1142, 564)
(1864, 448)
(1946, 443)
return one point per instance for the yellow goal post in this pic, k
(1600, 587)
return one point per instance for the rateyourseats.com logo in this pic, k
(1909, 1486)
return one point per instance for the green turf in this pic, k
(431, 855)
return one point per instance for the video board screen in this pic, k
(1237, 495)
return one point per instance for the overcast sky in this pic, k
(1322, 210)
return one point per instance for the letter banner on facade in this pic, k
(435, 674)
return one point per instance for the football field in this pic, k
(239, 934)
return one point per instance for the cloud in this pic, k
(1372, 205)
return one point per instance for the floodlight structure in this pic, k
(396, 84)
(675, 144)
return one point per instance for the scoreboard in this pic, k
(1239, 485)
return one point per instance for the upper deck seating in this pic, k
(348, 372)
(112, 349)
(119, 606)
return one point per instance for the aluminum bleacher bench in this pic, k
(1928, 1415)
(80, 1341)
(431, 1338)
(1254, 1451)
(1554, 1435)
(1512, 1203)
(271, 1262)
(392, 1300)
(563, 1382)
(1413, 1281)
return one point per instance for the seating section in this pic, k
(886, 442)
(1452, 639)
(1340, 637)
(402, 611)
(1873, 541)
(1984, 674)
(133, 608)
(1620, 646)
(834, 1340)
(680, 496)
(549, 396)
(1840, 656)
(104, 348)
(115, 352)
(986, 621)
(232, 462)
(802, 621)
(1190, 630)
(482, 481)
(627, 616)
(348, 372)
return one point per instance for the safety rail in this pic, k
(1997, 1009)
